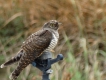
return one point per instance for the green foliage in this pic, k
(83, 42)
(13, 28)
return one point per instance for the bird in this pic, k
(34, 46)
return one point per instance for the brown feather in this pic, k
(13, 60)
(33, 48)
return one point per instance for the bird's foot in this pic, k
(52, 51)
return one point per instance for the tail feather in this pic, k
(13, 60)
(24, 62)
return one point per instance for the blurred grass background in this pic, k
(82, 36)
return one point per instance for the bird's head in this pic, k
(52, 24)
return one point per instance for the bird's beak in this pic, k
(59, 23)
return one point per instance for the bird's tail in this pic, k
(24, 62)
(13, 60)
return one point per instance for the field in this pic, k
(82, 36)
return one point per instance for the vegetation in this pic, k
(82, 36)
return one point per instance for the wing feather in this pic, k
(37, 41)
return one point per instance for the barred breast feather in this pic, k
(53, 42)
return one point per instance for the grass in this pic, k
(82, 36)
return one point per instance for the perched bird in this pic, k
(41, 41)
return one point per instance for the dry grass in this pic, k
(82, 35)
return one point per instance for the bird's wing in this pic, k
(37, 41)
(33, 35)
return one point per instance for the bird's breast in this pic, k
(53, 42)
